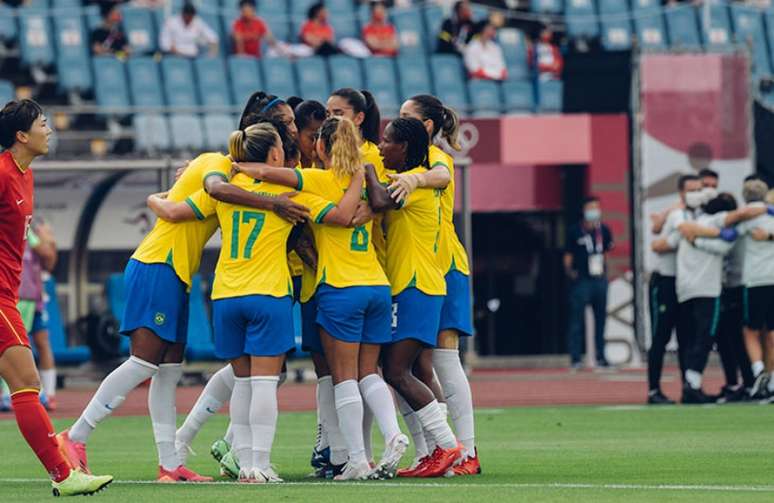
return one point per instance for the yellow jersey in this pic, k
(181, 244)
(370, 154)
(294, 261)
(253, 256)
(345, 255)
(451, 253)
(413, 234)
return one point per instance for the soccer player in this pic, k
(24, 136)
(456, 316)
(418, 286)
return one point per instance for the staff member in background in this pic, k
(584, 263)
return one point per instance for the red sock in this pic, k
(37, 430)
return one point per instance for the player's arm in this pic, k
(170, 211)
(301, 241)
(569, 268)
(220, 189)
(46, 247)
(343, 213)
(261, 171)
(378, 195)
(746, 213)
(403, 184)
(363, 214)
(714, 246)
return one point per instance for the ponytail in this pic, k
(451, 128)
(259, 103)
(252, 144)
(341, 139)
(445, 120)
(363, 101)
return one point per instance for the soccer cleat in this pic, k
(219, 449)
(759, 386)
(79, 483)
(417, 466)
(180, 474)
(391, 458)
(440, 461)
(267, 476)
(229, 466)
(695, 396)
(320, 458)
(246, 477)
(659, 398)
(73, 452)
(469, 466)
(354, 472)
(730, 394)
(329, 471)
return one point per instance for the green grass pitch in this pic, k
(528, 454)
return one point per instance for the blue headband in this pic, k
(270, 104)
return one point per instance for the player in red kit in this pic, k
(23, 137)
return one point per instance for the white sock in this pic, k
(110, 395)
(757, 367)
(322, 433)
(48, 381)
(693, 379)
(263, 418)
(456, 390)
(330, 420)
(239, 408)
(377, 396)
(214, 395)
(349, 407)
(414, 426)
(429, 440)
(163, 412)
(368, 426)
(229, 435)
(433, 420)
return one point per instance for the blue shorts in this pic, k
(310, 332)
(296, 288)
(355, 313)
(457, 313)
(40, 322)
(415, 315)
(255, 325)
(156, 299)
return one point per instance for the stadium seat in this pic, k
(720, 36)
(278, 77)
(411, 30)
(93, 17)
(178, 82)
(299, 7)
(344, 25)
(200, 344)
(140, 29)
(748, 28)
(74, 74)
(273, 7)
(244, 76)
(345, 72)
(212, 81)
(546, 6)
(433, 16)
(485, 98)
(640, 5)
(216, 130)
(72, 63)
(8, 28)
(414, 76)
(581, 19)
(186, 132)
(312, 77)
(145, 82)
(550, 96)
(615, 24)
(65, 4)
(64, 354)
(682, 27)
(381, 80)
(37, 48)
(340, 6)
(7, 92)
(448, 80)
(479, 12)
(649, 26)
(278, 24)
(519, 96)
(37, 4)
(152, 133)
(514, 47)
(110, 82)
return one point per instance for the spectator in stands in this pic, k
(317, 33)
(545, 56)
(185, 34)
(379, 35)
(249, 29)
(457, 30)
(109, 37)
(484, 57)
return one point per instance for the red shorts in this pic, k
(12, 332)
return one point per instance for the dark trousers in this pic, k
(584, 292)
(663, 318)
(730, 338)
(697, 321)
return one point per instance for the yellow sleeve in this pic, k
(202, 204)
(318, 206)
(438, 157)
(219, 166)
(315, 181)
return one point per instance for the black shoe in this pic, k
(329, 471)
(603, 364)
(731, 394)
(760, 386)
(695, 396)
(658, 398)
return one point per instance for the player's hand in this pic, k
(689, 230)
(402, 185)
(749, 212)
(291, 211)
(179, 171)
(363, 214)
(759, 234)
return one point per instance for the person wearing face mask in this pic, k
(709, 179)
(584, 263)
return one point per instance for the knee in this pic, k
(396, 376)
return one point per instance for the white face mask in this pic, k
(694, 199)
(709, 194)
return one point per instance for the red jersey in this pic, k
(252, 31)
(323, 31)
(16, 204)
(383, 32)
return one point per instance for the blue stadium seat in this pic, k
(74, 73)
(213, 20)
(178, 82)
(313, 83)
(364, 14)
(581, 18)
(448, 80)
(434, 16)
(296, 23)
(278, 24)
(640, 5)
(186, 131)
(485, 98)
(514, 47)
(381, 80)
(344, 25)
(200, 344)
(278, 77)
(479, 12)
(519, 96)
(748, 27)
(345, 72)
(212, 81)
(152, 134)
(682, 27)
(613, 6)
(110, 81)
(93, 17)
(216, 130)
(414, 76)
(300, 7)
(8, 27)
(615, 24)
(72, 63)
(720, 36)
(340, 6)
(546, 6)
(37, 4)
(116, 300)
(35, 36)
(244, 76)
(7, 92)
(550, 96)
(140, 29)
(145, 82)
(273, 7)
(649, 26)
(62, 4)
(64, 354)
(411, 30)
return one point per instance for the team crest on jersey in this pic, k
(159, 319)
